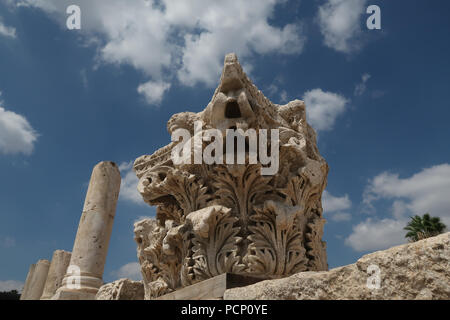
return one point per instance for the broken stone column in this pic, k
(26, 287)
(36, 281)
(84, 275)
(56, 273)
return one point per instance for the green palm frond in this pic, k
(423, 227)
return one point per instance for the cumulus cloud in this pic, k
(128, 186)
(7, 31)
(361, 87)
(425, 191)
(45, 4)
(16, 133)
(333, 204)
(153, 91)
(9, 285)
(131, 271)
(184, 40)
(203, 54)
(372, 235)
(340, 25)
(323, 108)
(335, 207)
(341, 216)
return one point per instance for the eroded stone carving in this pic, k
(418, 270)
(122, 289)
(216, 218)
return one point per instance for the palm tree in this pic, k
(424, 227)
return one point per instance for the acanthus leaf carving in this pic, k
(276, 246)
(239, 187)
(215, 241)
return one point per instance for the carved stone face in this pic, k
(183, 120)
(151, 184)
(231, 111)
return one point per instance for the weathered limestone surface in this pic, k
(419, 270)
(37, 281)
(94, 231)
(123, 289)
(217, 218)
(56, 273)
(26, 287)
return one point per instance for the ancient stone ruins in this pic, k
(78, 275)
(222, 218)
(219, 225)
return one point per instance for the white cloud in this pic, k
(140, 218)
(44, 4)
(322, 108)
(341, 216)
(361, 87)
(283, 96)
(334, 207)
(7, 31)
(332, 204)
(373, 235)
(9, 285)
(131, 271)
(170, 39)
(365, 77)
(425, 191)
(153, 91)
(203, 54)
(16, 133)
(128, 186)
(340, 24)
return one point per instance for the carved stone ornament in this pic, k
(217, 218)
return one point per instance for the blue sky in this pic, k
(379, 100)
